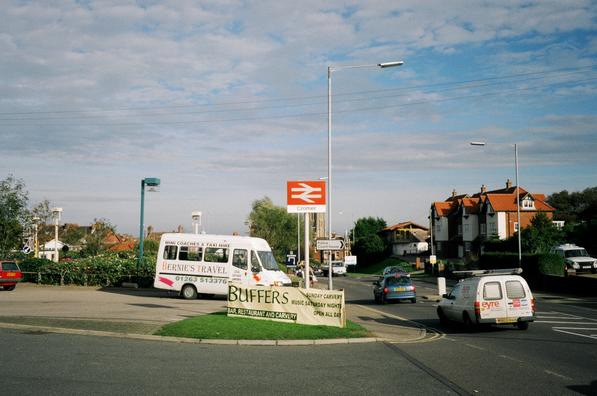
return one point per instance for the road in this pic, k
(556, 355)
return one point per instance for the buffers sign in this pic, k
(287, 304)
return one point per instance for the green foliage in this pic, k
(103, 270)
(532, 264)
(541, 236)
(94, 241)
(574, 207)
(369, 247)
(14, 215)
(551, 264)
(275, 225)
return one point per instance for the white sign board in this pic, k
(350, 260)
(330, 244)
(287, 304)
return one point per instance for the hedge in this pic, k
(532, 264)
(103, 270)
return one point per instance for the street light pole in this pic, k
(56, 214)
(518, 232)
(329, 183)
(151, 182)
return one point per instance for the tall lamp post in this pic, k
(56, 215)
(518, 231)
(196, 216)
(150, 182)
(329, 183)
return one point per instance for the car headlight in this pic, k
(575, 266)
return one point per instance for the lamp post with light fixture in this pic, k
(150, 182)
(329, 177)
(518, 231)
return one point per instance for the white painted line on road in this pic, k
(565, 322)
(574, 334)
(576, 328)
(475, 347)
(511, 358)
(384, 313)
(558, 375)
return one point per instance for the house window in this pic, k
(528, 204)
(483, 229)
(466, 228)
(515, 226)
(492, 229)
(459, 229)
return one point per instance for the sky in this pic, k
(225, 101)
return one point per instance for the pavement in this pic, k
(138, 313)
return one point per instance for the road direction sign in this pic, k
(305, 196)
(330, 244)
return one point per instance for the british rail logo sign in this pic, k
(306, 196)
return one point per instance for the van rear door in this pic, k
(492, 304)
(518, 299)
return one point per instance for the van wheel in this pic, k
(413, 300)
(188, 292)
(9, 288)
(522, 325)
(468, 323)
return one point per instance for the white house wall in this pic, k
(502, 225)
(440, 229)
(470, 228)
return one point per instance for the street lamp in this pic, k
(329, 183)
(517, 198)
(56, 215)
(35, 238)
(196, 216)
(151, 182)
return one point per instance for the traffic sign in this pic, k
(330, 244)
(306, 196)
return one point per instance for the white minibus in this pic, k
(193, 264)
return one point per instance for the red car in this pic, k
(10, 274)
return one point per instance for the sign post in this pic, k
(306, 197)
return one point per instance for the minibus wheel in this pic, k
(188, 292)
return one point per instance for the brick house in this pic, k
(406, 238)
(461, 223)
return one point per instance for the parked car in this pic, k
(338, 268)
(489, 297)
(396, 286)
(10, 275)
(575, 258)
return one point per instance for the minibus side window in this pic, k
(255, 267)
(216, 255)
(240, 259)
(492, 291)
(190, 253)
(170, 252)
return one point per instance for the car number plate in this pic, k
(400, 289)
(586, 267)
(506, 320)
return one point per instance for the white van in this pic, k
(203, 264)
(489, 297)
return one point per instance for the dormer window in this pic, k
(528, 203)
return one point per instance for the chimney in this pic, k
(453, 193)
(483, 189)
(508, 183)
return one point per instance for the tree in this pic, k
(14, 215)
(369, 246)
(541, 235)
(95, 242)
(275, 225)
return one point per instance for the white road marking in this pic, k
(574, 323)
(558, 375)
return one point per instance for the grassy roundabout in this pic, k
(219, 326)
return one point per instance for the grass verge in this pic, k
(219, 326)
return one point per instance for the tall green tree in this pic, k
(95, 240)
(541, 236)
(369, 246)
(275, 225)
(14, 215)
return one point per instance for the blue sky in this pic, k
(225, 101)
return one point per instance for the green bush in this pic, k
(551, 264)
(104, 270)
(532, 264)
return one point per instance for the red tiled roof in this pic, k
(471, 205)
(443, 208)
(406, 224)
